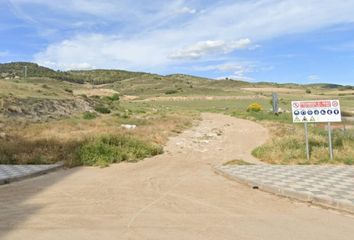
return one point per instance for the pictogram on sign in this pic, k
(316, 111)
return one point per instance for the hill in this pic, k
(17, 70)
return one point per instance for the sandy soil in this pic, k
(176, 195)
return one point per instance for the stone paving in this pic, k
(10, 173)
(331, 186)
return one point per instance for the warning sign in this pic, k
(316, 111)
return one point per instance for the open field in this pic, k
(60, 112)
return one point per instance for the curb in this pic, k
(319, 200)
(52, 168)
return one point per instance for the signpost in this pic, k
(275, 103)
(317, 111)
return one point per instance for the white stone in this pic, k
(128, 126)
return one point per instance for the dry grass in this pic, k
(95, 92)
(154, 128)
(287, 145)
(63, 139)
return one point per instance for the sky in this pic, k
(299, 41)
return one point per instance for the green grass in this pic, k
(236, 108)
(287, 146)
(102, 109)
(18, 150)
(89, 115)
(95, 151)
(106, 150)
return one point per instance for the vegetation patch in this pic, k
(287, 146)
(102, 109)
(89, 115)
(172, 91)
(100, 151)
(105, 150)
(254, 107)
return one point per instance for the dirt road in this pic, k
(172, 196)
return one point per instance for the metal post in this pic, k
(307, 142)
(25, 71)
(275, 103)
(330, 141)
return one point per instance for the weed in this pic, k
(68, 90)
(113, 149)
(287, 146)
(89, 115)
(102, 109)
(172, 91)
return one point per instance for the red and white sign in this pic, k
(316, 111)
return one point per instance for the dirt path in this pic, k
(172, 196)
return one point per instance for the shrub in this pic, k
(18, 150)
(254, 107)
(89, 115)
(113, 149)
(68, 90)
(173, 91)
(308, 91)
(115, 97)
(102, 109)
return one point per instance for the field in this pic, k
(79, 118)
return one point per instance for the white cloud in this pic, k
(341, 47)
(313, 77)
(186, 10)
(229, 67)
(98, 50)
(232, 70)
(4, 53)
(235, 77)
(151, 34)
(209, 47)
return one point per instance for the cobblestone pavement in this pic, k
(10, 173)
(331, 186)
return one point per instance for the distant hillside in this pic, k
(101, 76)
(172, 83)
(329, 86)
(17, 70)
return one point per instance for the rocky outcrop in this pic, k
(36, 109)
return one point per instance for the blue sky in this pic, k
(303, 41)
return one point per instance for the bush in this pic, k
(254, 107)
(171, 91)
(94, 151)
(18, 150)
(89, 115)
(308, 91)
(68, 90)
(115, 97)
(102, 109)
(113, 149)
